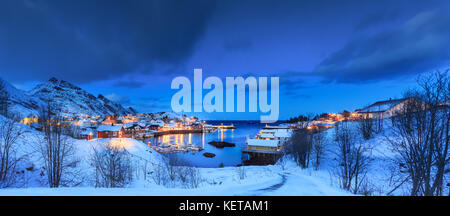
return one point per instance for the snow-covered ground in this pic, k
(276, 180)
(259, 181)
(256, 180)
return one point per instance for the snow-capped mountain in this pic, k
(21, 102)
(72, 100)
(132, 110)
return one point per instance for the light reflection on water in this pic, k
(229, 156)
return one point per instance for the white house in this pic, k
(384, 109)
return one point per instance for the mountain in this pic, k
(132, 110)
(20, 102)
(72, 100)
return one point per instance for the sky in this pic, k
(330, 56)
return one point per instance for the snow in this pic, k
(72, 100)
(267, 135)
(22, 103)
(87, 132)
(109, 127)
(282, 134)
(259, 181)
(263, 142)
(273, 180)
(382, 106)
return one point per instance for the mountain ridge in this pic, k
(67, 98)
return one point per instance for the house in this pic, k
(131, 129)
(196, 126)
(110, 131)
(324, 124)
(269, 140)
(86, 134)
(384, 109)
(263, 145)
(30, 120)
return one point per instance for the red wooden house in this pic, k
(110, 131)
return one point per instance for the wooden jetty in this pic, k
(221, 126)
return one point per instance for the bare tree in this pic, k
(56, 150)
(421, 136)
(353, 159)
(366, 127)
(112, 166)
(241, 173)
(176, 171)
(10, 132)
(4, 99)
(318, 145)
(158, 175)
(282, 159)
(378, 124)
(172, 164)
(299, 146)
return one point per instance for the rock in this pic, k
(209, 154)
(221, 144)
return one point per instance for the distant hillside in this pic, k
(21, 102)
(66, 97)
(70, 99)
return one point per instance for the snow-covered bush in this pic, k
(10, 133)
(352, 159)
(174, 171)
(112, 166)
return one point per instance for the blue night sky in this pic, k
(329, 55)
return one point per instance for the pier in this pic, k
(183, 131)
(225, 126)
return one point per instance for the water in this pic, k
(229, 156)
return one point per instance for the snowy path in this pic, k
(259, 181)
(285, 185)
(276, 186)
(265, 189)
(297, 184)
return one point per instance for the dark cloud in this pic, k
(297, 95)
(124, 100)
(422, 43)
(378, 18)
(292, 84)
(154, 104)
(129, 84)
(237, 45)
(90, 40)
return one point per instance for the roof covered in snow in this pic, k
(86, 132)
(109, 128)
(382, 106)
(261, 142)
(267, 131)
(267, 135)
(283, 134)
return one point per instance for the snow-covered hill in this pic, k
(21, 102)
(257, 180)
(66, 97)
(72, 100)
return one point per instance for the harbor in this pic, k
(180, 144)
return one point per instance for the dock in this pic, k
(225, 126)
(187, 131)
